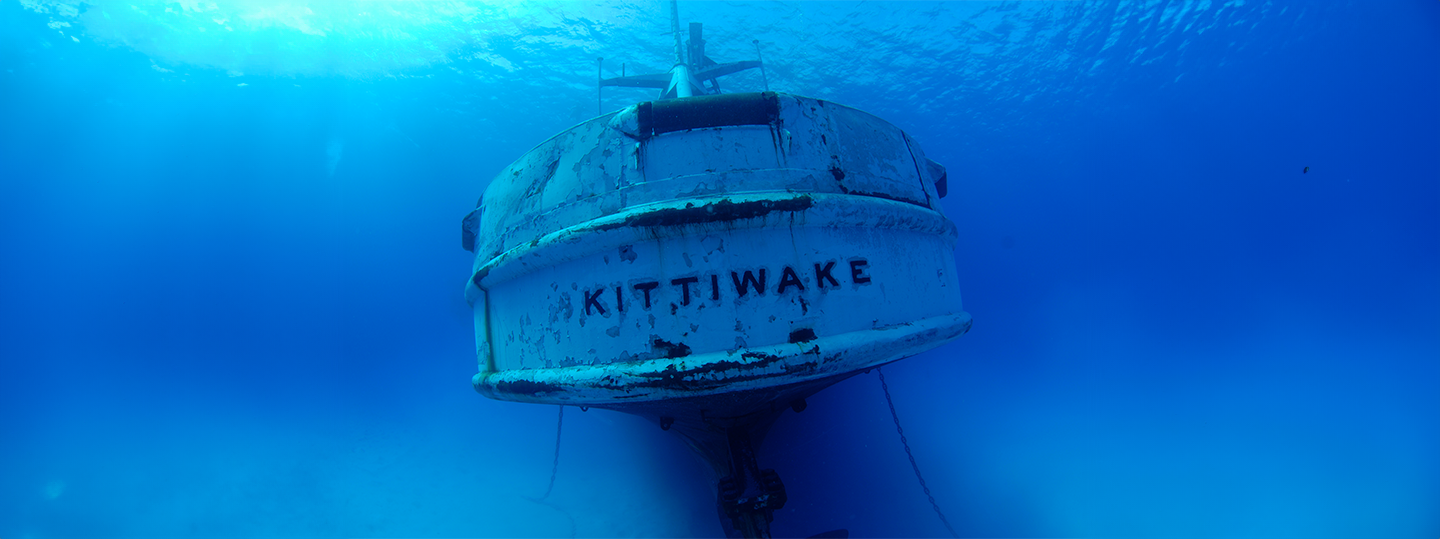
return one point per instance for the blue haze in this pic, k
(230, 272)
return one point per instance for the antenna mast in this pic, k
(675, 31)
(688, 76)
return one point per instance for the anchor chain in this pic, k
(886, 388)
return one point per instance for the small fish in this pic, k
(1306, 171)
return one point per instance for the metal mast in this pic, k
(692, 74)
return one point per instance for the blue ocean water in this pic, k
(1201, 242)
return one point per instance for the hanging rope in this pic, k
(886, 388)
(555, 467)
(559, 422)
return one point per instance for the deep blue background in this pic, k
(230, 274)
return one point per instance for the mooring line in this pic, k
(886, 388)
(555, 467)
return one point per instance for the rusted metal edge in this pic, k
(721, 211)
(788, 181)
(721, 372)
(668, 116)
(677, 217)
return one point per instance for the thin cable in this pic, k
(761, 60)
(886, 388)
(560, 422)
